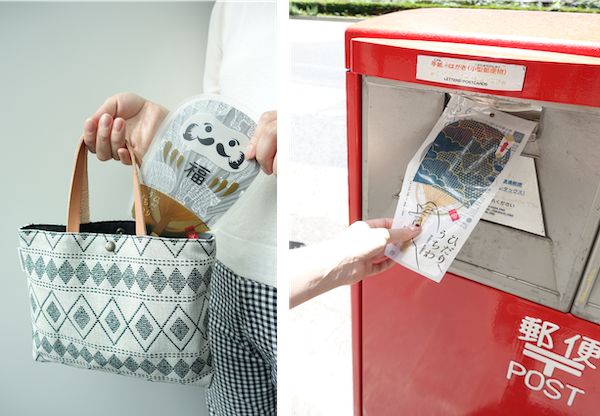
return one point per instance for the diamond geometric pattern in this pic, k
(144, 327)
(184, 367)
(81, 317)
(113, 321)
(53, 311)
(140, 310)
(176, 281)
(179, 329)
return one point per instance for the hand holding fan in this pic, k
(196, 169)
(454, 176)
(460, 165)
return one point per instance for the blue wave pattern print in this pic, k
(461, 161)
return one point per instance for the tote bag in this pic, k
(106, 296)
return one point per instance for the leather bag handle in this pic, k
(78, 209)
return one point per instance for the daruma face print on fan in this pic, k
(209, 137)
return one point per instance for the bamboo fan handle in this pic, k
(78, 209)
(429, 207)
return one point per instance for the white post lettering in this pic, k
(570, 344)
(545, 340)
(511, 369)
(574, 391)
(556, 394)
(528, 378)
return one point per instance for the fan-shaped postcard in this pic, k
(452, 179)
(196, 167)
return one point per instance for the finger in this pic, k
(382, 266)
(124, 104)
(89, 134)
(251, 150)
(398, 235)
(275, 165)
(108, 107)
(103, 147)
(266, 148)
(117, 137)
(266, 118)
(380, 223)
(124, 156)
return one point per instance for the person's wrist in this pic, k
(342, 265)
(331, 260)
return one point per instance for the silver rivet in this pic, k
(120, 231)
(110, 246)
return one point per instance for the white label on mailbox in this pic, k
(517, 203)
(467, 73)
(556, 360)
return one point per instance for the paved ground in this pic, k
(320, 340)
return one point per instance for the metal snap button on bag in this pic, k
(106, 296)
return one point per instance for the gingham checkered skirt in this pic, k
(243, 339)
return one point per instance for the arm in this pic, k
(346, 260)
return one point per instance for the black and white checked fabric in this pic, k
(243, 339)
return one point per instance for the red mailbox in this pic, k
(512, 329)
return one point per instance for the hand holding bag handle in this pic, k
(78, 209)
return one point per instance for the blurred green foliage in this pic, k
(362, 8)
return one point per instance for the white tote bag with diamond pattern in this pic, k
(105, 296)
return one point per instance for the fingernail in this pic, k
(265, 170)
(250, 151)
(414, 227)
(118, 125)
(88, 126)
(105, 121)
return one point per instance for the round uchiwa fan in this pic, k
(460, 165)
(168, 217)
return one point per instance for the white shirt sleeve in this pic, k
(241, 58)
(214, 50)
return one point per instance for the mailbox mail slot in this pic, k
(400, 111)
